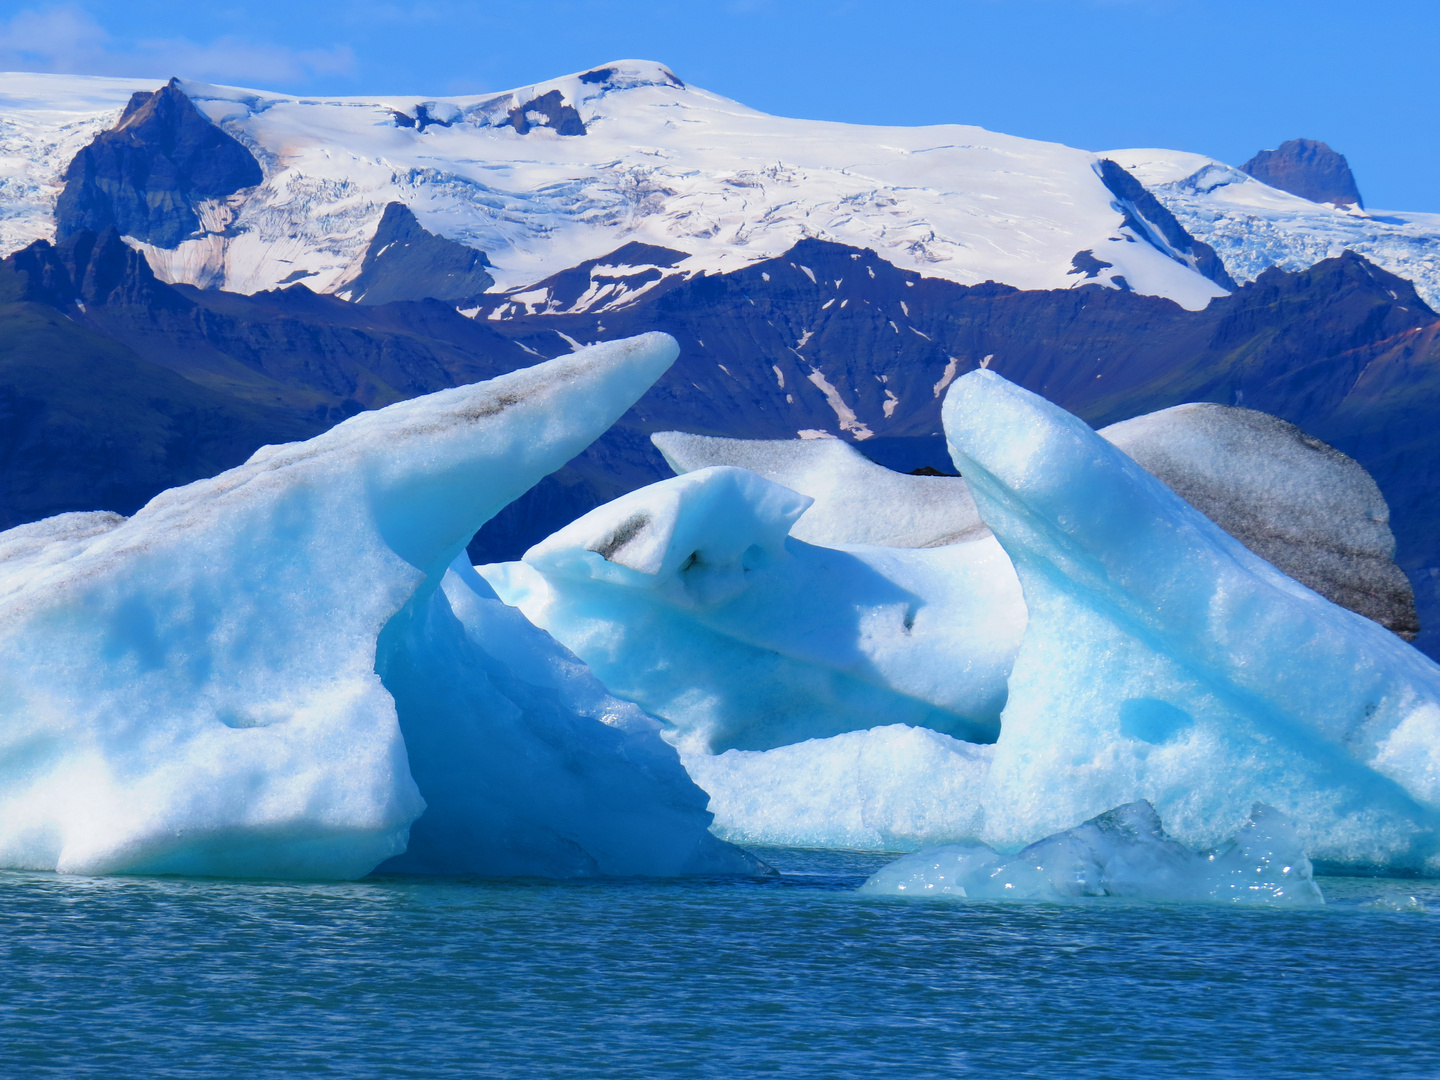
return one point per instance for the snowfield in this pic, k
(664, 163)
(658, 162)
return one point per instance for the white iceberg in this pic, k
(690, 598)
(1164, 661)
(892, 788)
(1298, 503)
(194, 690)
(1122, 853)
(1310, 510)
(855, 501)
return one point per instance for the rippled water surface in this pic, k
(794, 976)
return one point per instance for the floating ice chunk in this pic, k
(1164, 661)
(1123, 852)
(1310, 510)
(892, 788)
(194, 690)
(689, 598)
(855, 500)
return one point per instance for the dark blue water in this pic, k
(793, 977)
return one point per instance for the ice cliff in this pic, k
(1164, 661)
(274, 672)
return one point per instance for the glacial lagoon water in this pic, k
(794, 976)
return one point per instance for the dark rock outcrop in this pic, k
(428, 114)
(405, 261)
(613, 279)
(144, 176)
(549, 110)
(115, 385)
(1309, 169)
(1085, 262)
(1148, 219)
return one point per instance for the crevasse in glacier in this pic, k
(1164, 661)
(1123, 852)
(690, 598)
(195, 690)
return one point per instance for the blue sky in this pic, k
(1221, 77)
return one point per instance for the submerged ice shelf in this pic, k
(195, 690)
(1121, 853)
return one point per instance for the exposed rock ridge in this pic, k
(405, 261)
(145, 175)
(1307, 168)
(1145, 215)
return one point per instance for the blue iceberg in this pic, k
(1124, 853)
(691, 598)
(276, 673)
(1164, 661)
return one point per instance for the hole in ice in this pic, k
(753, 558)
(1153, 721)
(691, 561)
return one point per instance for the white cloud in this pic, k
(66, 39)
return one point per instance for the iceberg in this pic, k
(891, 788)
(1123, 852)
(691, 598)
(528, 766)
(855, 501)
(1164, 661)
(1308, 509)
(1302, 505)
(276, 673)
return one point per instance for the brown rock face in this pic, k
(1309, 169)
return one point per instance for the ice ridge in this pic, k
(195, 690)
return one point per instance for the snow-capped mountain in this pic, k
(544, 178)
(1253, 226)
(548, 176)
(822, 279)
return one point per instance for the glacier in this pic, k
(1164, 661)
(277, 673)
(624, 153)
(1253, 226)
(690, 598)
(1124, 853)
